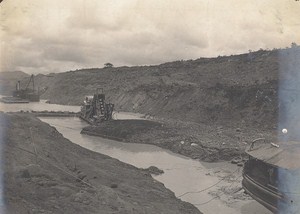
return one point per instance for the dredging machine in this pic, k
(30, 94)
(25, 95)
(95, 110)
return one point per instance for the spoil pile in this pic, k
(195, 140)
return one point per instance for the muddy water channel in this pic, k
(181, 174)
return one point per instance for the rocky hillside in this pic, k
(9, 79)
(240, 89)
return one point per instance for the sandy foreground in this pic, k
(46, 173)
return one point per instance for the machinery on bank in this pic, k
(95, 110)
(29, 93)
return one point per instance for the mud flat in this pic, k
(46, 173)
(194, 140)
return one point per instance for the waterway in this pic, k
(181, 174)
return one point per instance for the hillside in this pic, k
(239, 89)
(9, 79)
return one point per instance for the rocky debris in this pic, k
(153, 170)
(239, 161)
(114, 186)
(193, 140)
(230, 190)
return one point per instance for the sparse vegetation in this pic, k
(217, 95)
(294, 45)
(108, 65)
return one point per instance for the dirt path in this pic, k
(46, 173)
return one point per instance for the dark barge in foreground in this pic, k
(271, 176)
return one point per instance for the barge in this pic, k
(271, 176)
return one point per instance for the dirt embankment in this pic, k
(198, 141)
(239, 90)
(46, 173)
(218, 103)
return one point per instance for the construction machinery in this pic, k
(95, 110)
(29, 93)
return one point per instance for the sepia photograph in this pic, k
(149, 107)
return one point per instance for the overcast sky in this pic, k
(43, 36)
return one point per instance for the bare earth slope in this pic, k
(221, 104)
(66, 178)
(240, 89)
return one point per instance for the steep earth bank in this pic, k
(240, 90)
(220, 103)
(231, 90)
(46, 173)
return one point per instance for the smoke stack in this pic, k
(18, 86)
